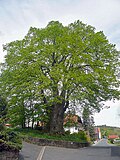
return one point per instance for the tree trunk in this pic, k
(32, 122)
(57, 119)
(23, 124)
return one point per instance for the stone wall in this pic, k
(115, 151)
(8, 152)
(9, 155)
(57, 143)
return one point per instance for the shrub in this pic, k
(39, 128)
(2, 127)
(67, 132)
(111, 140)
(80, 136)
(10, 140)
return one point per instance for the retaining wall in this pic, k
(57, 143)
(9, 155)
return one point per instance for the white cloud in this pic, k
(22, 14)
(17, 16)
(109, 117)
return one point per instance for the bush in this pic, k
(67, 132)
(39, 128)
(2, 127)
(75, 137)
(10, 140)
(81, 135)
(111, 140)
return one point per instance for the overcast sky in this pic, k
(17, 16)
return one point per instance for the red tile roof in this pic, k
(113, 136)
(72, 118)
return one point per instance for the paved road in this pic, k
(101, 151)
(29, 151)
(103, 143)
(91, 153)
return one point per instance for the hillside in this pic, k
(108, 130)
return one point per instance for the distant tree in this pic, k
(57, 67)
(92, 128)
(86, 118)
(88, 122)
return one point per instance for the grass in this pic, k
(81, 137)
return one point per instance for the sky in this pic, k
(17, 16)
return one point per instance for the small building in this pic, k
(113, 136)
(8, 125)
(73, 123)
(97, 133)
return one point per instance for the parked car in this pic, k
(117, 140)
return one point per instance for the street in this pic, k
(103, 143)
(29, 151)
(100, 151)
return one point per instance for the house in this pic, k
(8, 125)
(97, 133)
(73, 123)
(113, 136)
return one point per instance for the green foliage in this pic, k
(71, 123)
(3, 110)
(80, 135)
(108, 130)
(88, 122)
(76, 137)
(10, 140)
(2, 127)
(111, 140)
(67, 132)
(58, 65)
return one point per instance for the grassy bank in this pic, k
(75, 137)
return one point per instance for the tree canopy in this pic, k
(3, 109)
(56, 67)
